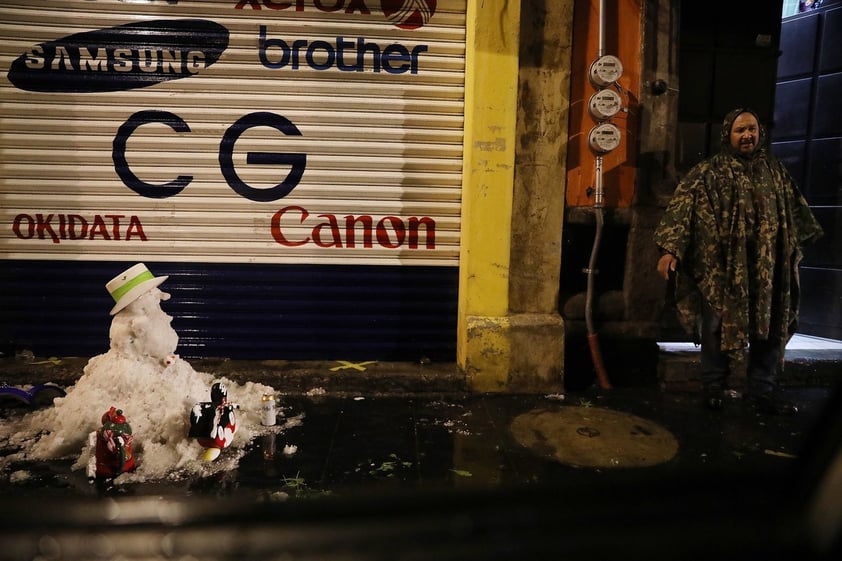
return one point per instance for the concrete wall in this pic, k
(643, 290)
(539, 187)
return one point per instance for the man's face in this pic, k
(745, 133)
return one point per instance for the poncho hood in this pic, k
(725, 134)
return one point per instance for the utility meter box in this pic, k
(604, 138)
(604, 104)
(606, 70)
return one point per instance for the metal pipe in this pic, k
(599, 191)
(601, 48)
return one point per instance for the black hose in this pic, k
(593, 338)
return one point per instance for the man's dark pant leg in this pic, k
(714, 361)
(764, 357)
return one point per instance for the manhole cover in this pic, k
(594, 437)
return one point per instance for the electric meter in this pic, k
(604, 104)
(604, 137)
(606, 70)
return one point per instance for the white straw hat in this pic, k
(129, 285)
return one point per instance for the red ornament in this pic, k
(114, 445)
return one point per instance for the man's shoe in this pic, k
(772, 404)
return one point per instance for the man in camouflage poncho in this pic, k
(733, 233)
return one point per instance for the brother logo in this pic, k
(125, 57)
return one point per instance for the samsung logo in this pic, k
(119, 58)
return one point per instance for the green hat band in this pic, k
(142, 277)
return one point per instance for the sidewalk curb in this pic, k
(287, 377)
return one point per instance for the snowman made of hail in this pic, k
(141, 332)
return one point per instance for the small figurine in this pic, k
(214, 423)
(114, 445)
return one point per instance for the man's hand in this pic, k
(666, 264)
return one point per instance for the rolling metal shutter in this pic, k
(234, 139)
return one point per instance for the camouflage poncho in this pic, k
(731, 222)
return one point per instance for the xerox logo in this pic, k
(125, 57)
(405, 14)
(409, 14)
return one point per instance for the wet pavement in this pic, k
(398, 461)
(350, 445)
(347, 445)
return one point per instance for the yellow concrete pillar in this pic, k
(491, 82)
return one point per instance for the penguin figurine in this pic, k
(214, 423)
(114, 446)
